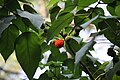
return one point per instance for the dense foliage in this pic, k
(24, 31)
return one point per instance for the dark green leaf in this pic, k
(3, 12)
(29, 8)
(53, 13)
(108, 1)
(7, 41)
(111, 10)
(70, 64)
(112, 31)
(1, 2)
(45, 76)
(62, 57)
(20, 24)
(70, 46)
(12, 5)
(59, 24)
(35, 19)
(28, 52)
(55, 52)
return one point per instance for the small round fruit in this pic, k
(111, 52)
(59, 43)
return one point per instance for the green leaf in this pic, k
(53, 13)
(45, 76)
(112, 30)
(70, 64)
(113, 71)
(103, 66)
(82, 51)
(85, 3)
(5, 22)
(59, 24)
(28, 52)
(108, 1)
(29, 8)
(70, 46)
(55, 52)
(35, 19)
(62, 57)
(52, 2)
(7, 40)
(20, 24)
(84, 25)
(3, 12)
(12, 5)
(111, 10)
(1, 2)
(117, 10)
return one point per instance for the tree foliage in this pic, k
(24, 31)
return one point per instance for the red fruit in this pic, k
(59, 43)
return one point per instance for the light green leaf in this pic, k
(84, 25)
(59, 24)
(35, 19)
(28, 52)
(7, 41)
(52, 2)
(82, 51)
(117, 10)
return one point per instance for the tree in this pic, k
(26, 32)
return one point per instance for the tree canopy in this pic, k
(26, 32)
